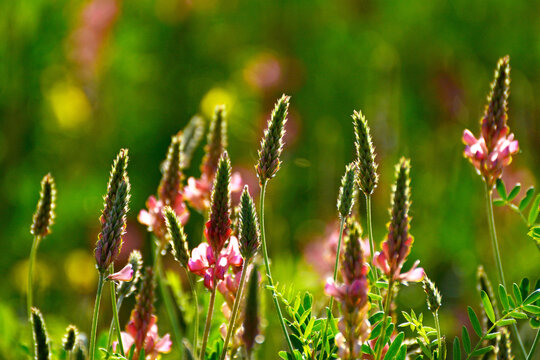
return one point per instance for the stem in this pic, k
(341, 225)
(236, 306)
(92, 348)
(533, 347)
(380, 343)
(29, 293)
(267, 267)
(438, 327)
(111, 327)
(496, 253)
(115, 315)
(372, 246)
(208, 319)
(196, 299)
(158, 270)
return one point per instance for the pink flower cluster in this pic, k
(391, 262)
(154, 218)
(490, 162)
(153, 344)
(203, 262)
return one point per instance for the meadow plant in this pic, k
(224, 267)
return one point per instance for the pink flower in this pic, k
(154, 218)
(126, 274)
(415, 273)
(197, 191)
(153, 344)
(203, 261)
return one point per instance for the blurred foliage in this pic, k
(74, 89)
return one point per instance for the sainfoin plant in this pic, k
(230, 269)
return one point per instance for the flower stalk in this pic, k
(93, 331)
(115, 313)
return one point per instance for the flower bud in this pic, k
(70, 338)
(178, 237)
(365, 152)
(433, 296)
(172, 175)
(216, 143)
(495, 114)
(249, 226)
(191, 136)
(41, 339)
(347, 191)
(44, 215)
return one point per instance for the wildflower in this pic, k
(249, 226)
(493, 150)
(113, 218)
(69, 340)
(153, 344)
(126, 274)
(154, 217)
(126, 288)
(203, 261)
(272, 142)
(365, 153)
(41, 339)
(178, 237)
(44, 215)
(398, 243)
(347, 192)
(433, 296)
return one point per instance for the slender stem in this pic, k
(268, 272)
(438, 327)
(167, 301)
(380, 343)
(236, 306)
(372, 246)
(92, 348)
(196, 299)
(496, 253)
(534, 345)
(29, 293)
(208, 319)
(111, 327)
(336, 264)
(115, 314)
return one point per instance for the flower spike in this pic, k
(44, 215)
(433, 296)
(365, 153)
(178, 237)
(172, 175)
(347, 191)
(249, 226)
(126, 288)
(272, 142)
(70, 338)
(191, 137)
(216, 143)
(41, 339)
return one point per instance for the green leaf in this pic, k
(474, 321)
(526, 199)
(517, 293)
(501, 189)
(309, 327)
(378, 316)
(457, 349)
(483, 350)
(533, 309)
(514, 192)
(366, 349)
(466, 339)
(394, 347)
(402, 353)
(506, 322)
(491, 336)
(534, 296)
(533, 212)
(488, 308)
(374, 297)
(499, 202)
(381, 284)
(504, 298)
(518, 315)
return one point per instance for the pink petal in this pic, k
(145, 218)
(468, 137)
(164, 344)
(126, 274)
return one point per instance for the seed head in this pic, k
(433, 296)
(113, 218)
(218, 228)
(251, 314)
(249, 226)
(41, 339)
(495, 114)
(505, 345)
(141, 315)
(44, 215)
(353, 257)
(70, 338)
(365, 153)
(272, 142)
(216, 143)
(80, 351)
(191, 136)
(172, 175)
(126, 288)
(347, 191)
(178, 240)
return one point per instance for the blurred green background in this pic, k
(79, 80)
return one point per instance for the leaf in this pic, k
(366, 349)
(375, 318)
(466, 339)
(374, 297)
(474, 321)
(533, 212)
(501, 189)
(514, 192)
(534, 296)
(518, 315)
(504, 298)
(526, 199)
(457, 349)
(309, 327)
(525, 287)
(517, 293)
(488, 308)
(483, 350)
(491, 336)
(402, 353)
(394, 347)
(533, 309)
(506, 322)
(499, 202)
(381, 284)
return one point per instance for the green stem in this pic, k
(534, 345)
(236, 306)
(92, 348)
(380, 343)
(196, 299)
(111, 327)
(336, 264)
(167, 301)
(268, 272)
(372, 246)
(438, 327)
(496, 254)
(29, 294)
(208, 320)
(115, 314)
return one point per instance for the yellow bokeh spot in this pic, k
(216, 96)
(80, 267)
(42, 275)
(70, 104)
